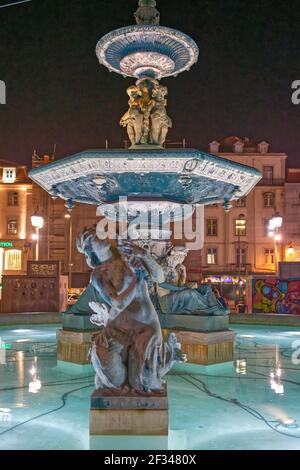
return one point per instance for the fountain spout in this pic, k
(147, 13)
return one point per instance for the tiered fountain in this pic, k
(138, 280)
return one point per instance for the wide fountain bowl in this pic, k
(182, 176)
(147, 50)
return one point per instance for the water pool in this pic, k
(251, 405)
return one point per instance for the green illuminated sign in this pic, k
(5, 346)
(6, 244)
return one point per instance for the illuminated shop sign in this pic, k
(6, 244)
(225, 279)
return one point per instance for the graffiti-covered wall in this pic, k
(270, 295)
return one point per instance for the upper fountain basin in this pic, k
(147, 51)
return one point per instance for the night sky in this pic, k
(57, 93)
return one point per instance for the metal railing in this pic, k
(244, 268)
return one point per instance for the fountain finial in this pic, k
(147, 13)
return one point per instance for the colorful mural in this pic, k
(272, 295)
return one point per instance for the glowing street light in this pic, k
(69, 218)
(291, 250)
(275, 225)
(276, 222)
(38, 223)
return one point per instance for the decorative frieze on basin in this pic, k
(130, 51)
(180, 176)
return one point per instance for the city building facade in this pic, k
(237, 242)
(15, 210)
(292, 215)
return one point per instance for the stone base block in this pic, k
(73, 347)
(79, 323)
(128, 415)
(206, 348)
(195, 323)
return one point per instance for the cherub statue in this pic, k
(133, 118)
(146, 120)
(129, 353)
(160, 121)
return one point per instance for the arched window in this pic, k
(13, 260)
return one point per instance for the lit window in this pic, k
(241, 202)
(269, 256)
(9, 175)
(13, 260)
(212, 227)
(240, 227)
(13, 198)
(12, 226)
(212, 256)
(269, 199)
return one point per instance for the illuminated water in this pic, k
(253, 405)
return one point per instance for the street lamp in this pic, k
(276, 222)
(275, 225)
(69, 217)
(38, 223)
(241, 229)
(291, 250)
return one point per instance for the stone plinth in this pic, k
(206, 348)
(197, 323)
(74, 346)
(73, 322)
(128, 414)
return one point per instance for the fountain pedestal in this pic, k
(74, 346)
(116, 414)
(205, 348)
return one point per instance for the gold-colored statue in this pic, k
(133, 118)
(159, 118)
(146, 120)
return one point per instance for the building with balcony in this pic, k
(237, 242)
(292, 215)
(15, 210)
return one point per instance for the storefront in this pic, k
(11, 258)
(231, 288)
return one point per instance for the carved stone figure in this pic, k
(159, 119)
(133, 118)
(129, 353)
(146, 120)
(174, 269)
(178, 298)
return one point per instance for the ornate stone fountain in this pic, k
(138, 280)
